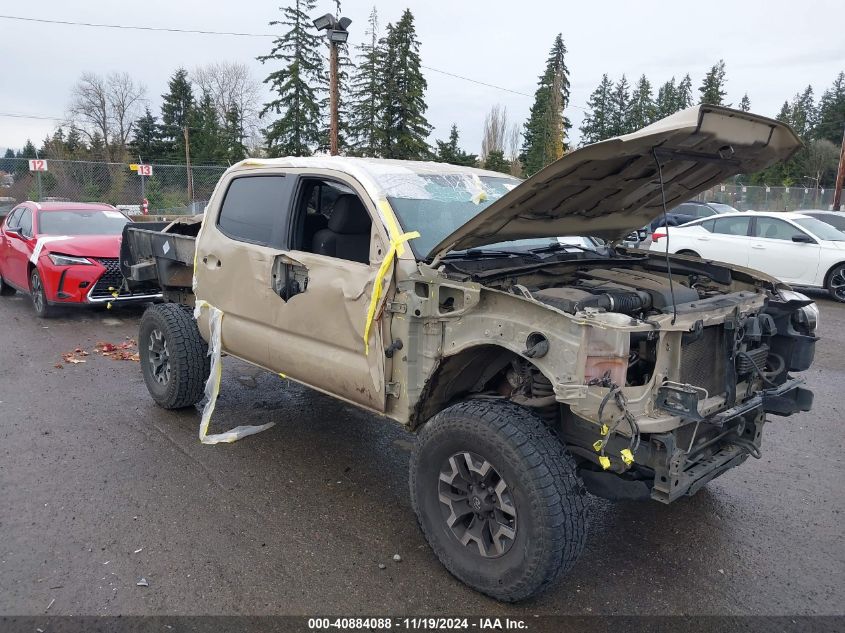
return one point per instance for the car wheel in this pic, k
(5, 289)
(174, 357)
(39, 296)
(836, 282)
(498, 498)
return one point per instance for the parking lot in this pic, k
(100, 488)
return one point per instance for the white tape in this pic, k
(212, 385)
(41, 241)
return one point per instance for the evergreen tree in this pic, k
(496, 161)
(667, 99)
(207, 145)
(544, 137)
(642, 109)
(449, 152)
(620, 100)
(713, 87)
(803, 113)
(683, 95)
(298, 85)
(28, 150)
(831, 112)
(596, 124)
(7, 164)
(74, 143)
(176, 114)
(365, 94)
(403, 127)
(745, 104)
(234, 134)
(146, 142)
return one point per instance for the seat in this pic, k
(314, 222)
(347, 235)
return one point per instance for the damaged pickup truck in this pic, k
(532, 366)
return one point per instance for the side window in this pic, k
(731, 226)
(332, 220)
(708, 225)
(12, 218)
(25, 223)
(774, 229)
(255, 210)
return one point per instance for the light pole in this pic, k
(337, 34)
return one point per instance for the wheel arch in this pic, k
(830, 271)
(467, 371)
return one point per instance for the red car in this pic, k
(63, 253)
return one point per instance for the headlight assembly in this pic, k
(68, 260)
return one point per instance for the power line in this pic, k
(17, 115)
(236, 34)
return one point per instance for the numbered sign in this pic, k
(145, 170)
(37, 164)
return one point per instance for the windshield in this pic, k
(78, 222)
(837, 221)
(821, 230)
(437, 204)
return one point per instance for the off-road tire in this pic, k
(549, 497)
(187, 355)
(39, 296)
(835, 279)
(5, 289)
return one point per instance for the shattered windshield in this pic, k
(437, 204)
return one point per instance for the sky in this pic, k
(772, 49)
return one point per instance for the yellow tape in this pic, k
(627, 456)
(604, 429)
(392, 225)
(282, 376)
(605, 462)
(597, 445)
(395, 243)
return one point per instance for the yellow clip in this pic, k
(605, 462)
(395, 243)
(627, 456)
(282, 376)
(597, 445)
(108, 306)
(604, 429)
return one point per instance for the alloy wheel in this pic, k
(837, 284)
(37, 292)
(477, 505)
(159, 357)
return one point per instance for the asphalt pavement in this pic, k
(99, 488)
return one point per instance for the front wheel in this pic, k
(39, 296)
(498, 498)
(174, 357)
(836, 283)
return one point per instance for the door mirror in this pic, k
(13, 232)
(803, 239)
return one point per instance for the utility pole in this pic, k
(188, 164)
(333, 98)
(840, 176)
(337, 35)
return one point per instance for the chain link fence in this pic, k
(762, 198)
(166, 188)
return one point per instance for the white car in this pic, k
(793, 247)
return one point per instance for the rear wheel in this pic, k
(836, 282)
(498, 498)
(5, 289)
(39, 296)
(174, 357)
(690, 253)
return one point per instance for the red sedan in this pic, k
(63, 253)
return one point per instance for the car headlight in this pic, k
(67, 260)
(809, 315)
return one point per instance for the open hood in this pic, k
(611, 188)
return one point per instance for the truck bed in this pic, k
(159, 256)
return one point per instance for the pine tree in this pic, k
(298, 85)
(803, 115)
(642, 110)
(176, 112)
(403, 128)
(74, 143)
(683, 95)
(206, 133)
(496, 161)
(713, 87)
(667, 99)
(596, 124)
(831, 112)
(234, 134)
(620, 100)
(745, 103)
(365, 94)
(544, 137)
(450, 152)
(146, 142)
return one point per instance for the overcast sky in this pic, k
(772, 49)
